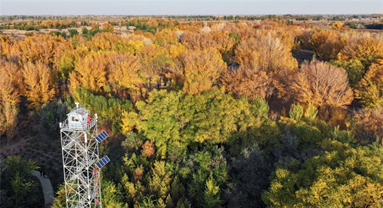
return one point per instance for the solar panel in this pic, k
(101, 136)
(101, 163)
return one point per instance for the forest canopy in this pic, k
(210, 114)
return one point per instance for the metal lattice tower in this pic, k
(80, 153)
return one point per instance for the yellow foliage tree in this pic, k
(128, 121)
(108, 27)
(66, 58)
(38, 48)
(342, 176)
(367, 50)
(198, 41)
(38, 80)
(90, 72)
(155, 60)
(337, 25)
(201, 70)
(95, 26)
(124, 73)
(5, 45)
(176, 50)
(104, 41)
(267, 53)
(165, 37)
(319, 37)
(134, 46)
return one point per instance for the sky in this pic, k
(188, 7)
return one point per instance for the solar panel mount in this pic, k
(101, 163)
(101, 137)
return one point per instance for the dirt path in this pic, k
(47, 188)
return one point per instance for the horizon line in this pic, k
(187, 14)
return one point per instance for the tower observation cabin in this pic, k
(79, 119)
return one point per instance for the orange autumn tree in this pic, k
(368, 124)
(321, 85)
(148, 149)
(331, 48)
(201, 69)
(247, 83)
(10, 90)
(38, 80)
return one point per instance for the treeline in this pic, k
(153, 24)
(150, 25)
(193, 17)
(375, 26)
(212, 114)
(31, 25)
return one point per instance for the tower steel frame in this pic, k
(80, 152)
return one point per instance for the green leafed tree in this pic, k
(18, 189)
(296, 112)
(111, 197)
(354, 69)
(72, 32)
(211, 194)
(342, 176)
(370, 88)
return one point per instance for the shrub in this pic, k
(49, 117)
(296, 112)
